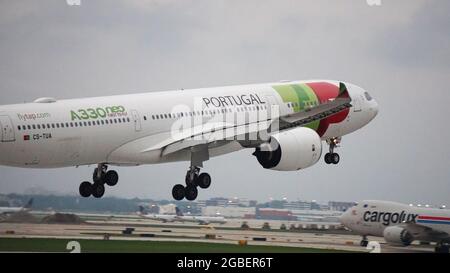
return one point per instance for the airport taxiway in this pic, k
(156, 231)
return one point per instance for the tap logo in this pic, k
(73, 2)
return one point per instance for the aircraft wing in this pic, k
(216, 134)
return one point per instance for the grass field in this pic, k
(122, 246)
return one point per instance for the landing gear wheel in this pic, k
(98, 190)
(178, 192)
(85, 189)
(204, 181)
(111, 178)
(191, 193)
(335, 158)
(327, 158)
(364, 243)
(97, 179)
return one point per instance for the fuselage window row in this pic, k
(72, 124)
(208, 112)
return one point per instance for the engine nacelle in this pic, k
(290, 150)
(397, 236)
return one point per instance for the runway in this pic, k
(230, 233)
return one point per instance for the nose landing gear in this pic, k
(100, 177)
(364, 241)
(331, 157)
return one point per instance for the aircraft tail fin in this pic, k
(179, 213)
(29, 204)
(141, 210)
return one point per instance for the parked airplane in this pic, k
(285, 123)
(158, 217)
(202, 220)
(180, 217)
(399, 224)
(9, 210)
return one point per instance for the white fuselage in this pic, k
(11, 209)
(132, 129)
(202, 219)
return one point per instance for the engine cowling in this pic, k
(397, 236)
(291, 150)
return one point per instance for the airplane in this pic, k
(399, 224)
(10, 210)
(180, 217)
(283, 122)
(202, 220)
(158, 217)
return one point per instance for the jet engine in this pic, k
(396, 235)
(290, 150)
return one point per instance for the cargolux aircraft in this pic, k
(399, 224)
(284, 123)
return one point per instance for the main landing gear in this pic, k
(193, 180)
(100, 177)
(331, 157)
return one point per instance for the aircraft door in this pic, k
(137, 121)
(7, 134)
(272, 111)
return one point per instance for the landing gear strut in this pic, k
(331, 157)
(100, 177)
(193, 180)
(364, 242)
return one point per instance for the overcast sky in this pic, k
(399, 52)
